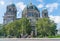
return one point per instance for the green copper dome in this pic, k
(12, 5)
(30, 6)
(45, 10)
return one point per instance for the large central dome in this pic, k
(31, 6)
(30, 11)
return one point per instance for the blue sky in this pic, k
(53, 7)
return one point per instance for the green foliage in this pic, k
(1, 26)
(17, 27)
(57, 36)
(45, 27)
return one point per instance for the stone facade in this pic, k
(10, 14)
(31, 12)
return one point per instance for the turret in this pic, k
(10, 14)
(44, 13)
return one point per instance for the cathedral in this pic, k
(31, 12)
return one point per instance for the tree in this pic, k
(45, 27)
(1, 26)
(17, 27)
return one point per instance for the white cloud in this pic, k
(21, 5)
(40, 6)
(52, 6)
(2, 2)
(19, 14)
(56, 19)
(40, 0)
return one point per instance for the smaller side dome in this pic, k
(45, 13)
(12, 8)
(44, 10)
(12, 5)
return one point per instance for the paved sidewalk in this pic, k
(29, 39)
